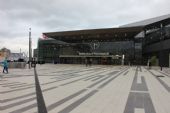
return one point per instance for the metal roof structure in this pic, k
(128, 31)
(102, 34)
(51, 41)
(165, 19)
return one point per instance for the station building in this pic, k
(133, 43)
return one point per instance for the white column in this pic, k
(123, 57)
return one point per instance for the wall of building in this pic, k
(163, 45)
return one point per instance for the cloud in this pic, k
(16, 17)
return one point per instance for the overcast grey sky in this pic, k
(17, 16)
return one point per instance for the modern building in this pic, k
(133, 43)
(7, 54)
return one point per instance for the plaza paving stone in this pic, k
(80, 89)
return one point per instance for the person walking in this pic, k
(86, 62)
(90, 61)
(5, 66)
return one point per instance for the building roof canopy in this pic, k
(128, 31)
(103, 34)
(151, 23)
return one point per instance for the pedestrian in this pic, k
(5, 66)
(86, 61)
(149, 65)
(161, 67)
(90, 61)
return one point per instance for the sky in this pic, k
(17, 16)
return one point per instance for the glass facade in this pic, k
(157, 35)
(102, 52)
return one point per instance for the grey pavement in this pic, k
(66, 88)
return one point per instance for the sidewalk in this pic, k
(81, 89)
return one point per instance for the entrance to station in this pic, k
(95, 60)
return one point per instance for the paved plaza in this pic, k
(81, 89)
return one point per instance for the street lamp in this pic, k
(30, 49)
(161, 38)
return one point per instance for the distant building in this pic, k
(16, 56)
(4, 53)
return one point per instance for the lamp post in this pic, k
(161, 38)
(30, 49)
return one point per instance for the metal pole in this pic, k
(161, 39)
(30, 49)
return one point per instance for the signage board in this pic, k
(93, 54)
